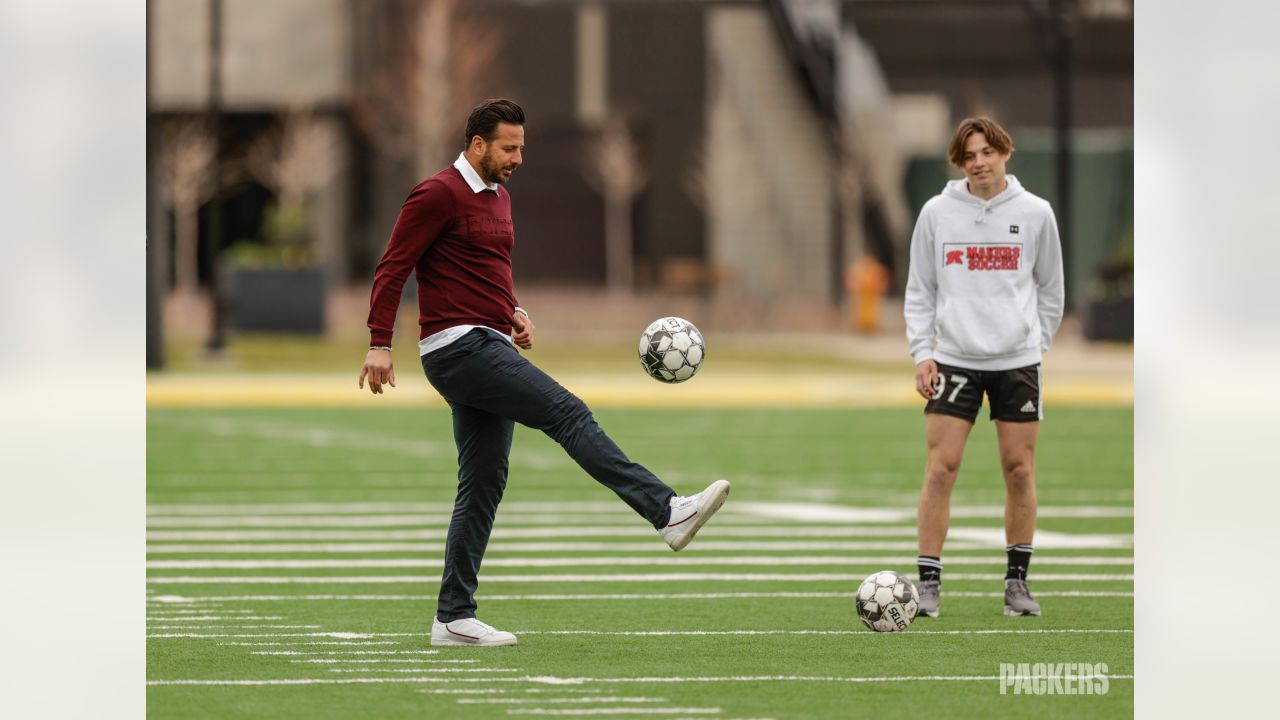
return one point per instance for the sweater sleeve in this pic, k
(1050, 285)
(426, 213)
(920, 302)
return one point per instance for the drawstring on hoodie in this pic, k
(982, 213)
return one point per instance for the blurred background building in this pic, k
(749, 155)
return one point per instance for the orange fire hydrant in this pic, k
(867, 281)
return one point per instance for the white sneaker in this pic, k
(469, 631)
(689, 514)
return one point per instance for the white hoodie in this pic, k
(985, 288)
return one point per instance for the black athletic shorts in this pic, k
(1014, 394)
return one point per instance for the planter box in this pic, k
(1108, 320)
(276, 300)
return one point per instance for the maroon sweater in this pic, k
(459, 242)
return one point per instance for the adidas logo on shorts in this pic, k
(1029, 407)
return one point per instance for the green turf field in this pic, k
(293, 560)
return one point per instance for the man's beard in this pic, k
(491, 170)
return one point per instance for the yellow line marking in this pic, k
(715, 390)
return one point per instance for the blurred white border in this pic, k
(1206, 109)
(72, 436)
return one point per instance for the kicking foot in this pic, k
(689, 514)
(469, 631)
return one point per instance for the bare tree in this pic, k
(614, 170)
(409, 109)
(296, 159)
(186, 164)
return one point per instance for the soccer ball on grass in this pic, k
(671, 350)
(887, 601)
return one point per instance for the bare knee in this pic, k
(1019, 475)
(940, 473)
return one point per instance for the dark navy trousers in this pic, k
(490, 387)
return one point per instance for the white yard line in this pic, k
(442, 519)
(585, 712)
(433, 580)
(657, 548)
(342, 661)
(431, 598)
(212, 618)
(340, 635)
(684, 633)
(420, 670)
(566, 700)
(552, 680)
(344, 652)
(720, 529)
(237, 627)
(371, 521)
(826, 512)
(178, 614)
(313, 642)
(620, 561)
(813, 511)
(663, 633)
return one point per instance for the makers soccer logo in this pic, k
(985, 257)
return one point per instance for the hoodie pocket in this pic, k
(976, 327)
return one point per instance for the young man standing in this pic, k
(984, 298)
(455, 232)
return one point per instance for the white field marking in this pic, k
(623, 561)
(327, 437)
(420, 670)
(246, 627)
(1045, 539)
(314, 642)
(825, 512)
(212, 618)
(340, 635)
(380, 660)
(371, 521)
(582, 712)
(552, 680)
(659, 633)
(179, 599)
(602, 577)
(430, 520)
(464, 691)
(577, 700)
(503, 691)
(807, 511)
(338, 508)
(186, 613)
(861, 631)
(344, 652)
(992, 537)
(434, 547)
(644, 596)
(503, 532)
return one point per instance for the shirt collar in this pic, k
(471, 176)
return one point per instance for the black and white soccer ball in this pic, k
(671, 350)
(887, 601)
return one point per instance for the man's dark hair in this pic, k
(484, 119)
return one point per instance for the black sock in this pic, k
(930, 568)
(1019, 559)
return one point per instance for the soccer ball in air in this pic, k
(671, 350)
(887, 601)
